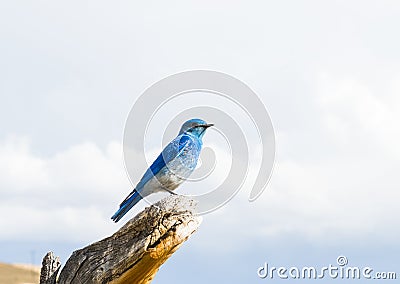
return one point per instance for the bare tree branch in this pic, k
(135, 252)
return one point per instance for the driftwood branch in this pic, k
(50, 267)
(135, 252)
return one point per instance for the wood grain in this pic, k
(136, 251)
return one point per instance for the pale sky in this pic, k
(328, 73)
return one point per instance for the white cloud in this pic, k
(68, 196)
(19, 169)
(348, 194)
(79, 188)
(355, 110)
(345, 195)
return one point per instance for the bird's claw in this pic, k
(173, 193)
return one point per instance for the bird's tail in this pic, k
(130, 201)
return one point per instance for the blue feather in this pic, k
(179, 157)
(133, 198)
(170, 152)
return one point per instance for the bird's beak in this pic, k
(208, 125)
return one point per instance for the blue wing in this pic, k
(170, 152)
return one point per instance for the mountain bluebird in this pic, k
(172, 167)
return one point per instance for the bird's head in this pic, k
(196, 127)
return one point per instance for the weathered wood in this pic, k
(50, 266)
(135, 252)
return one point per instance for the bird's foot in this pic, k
(173, 193)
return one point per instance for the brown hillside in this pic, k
(18, 274)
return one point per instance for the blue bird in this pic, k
(171, 168)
